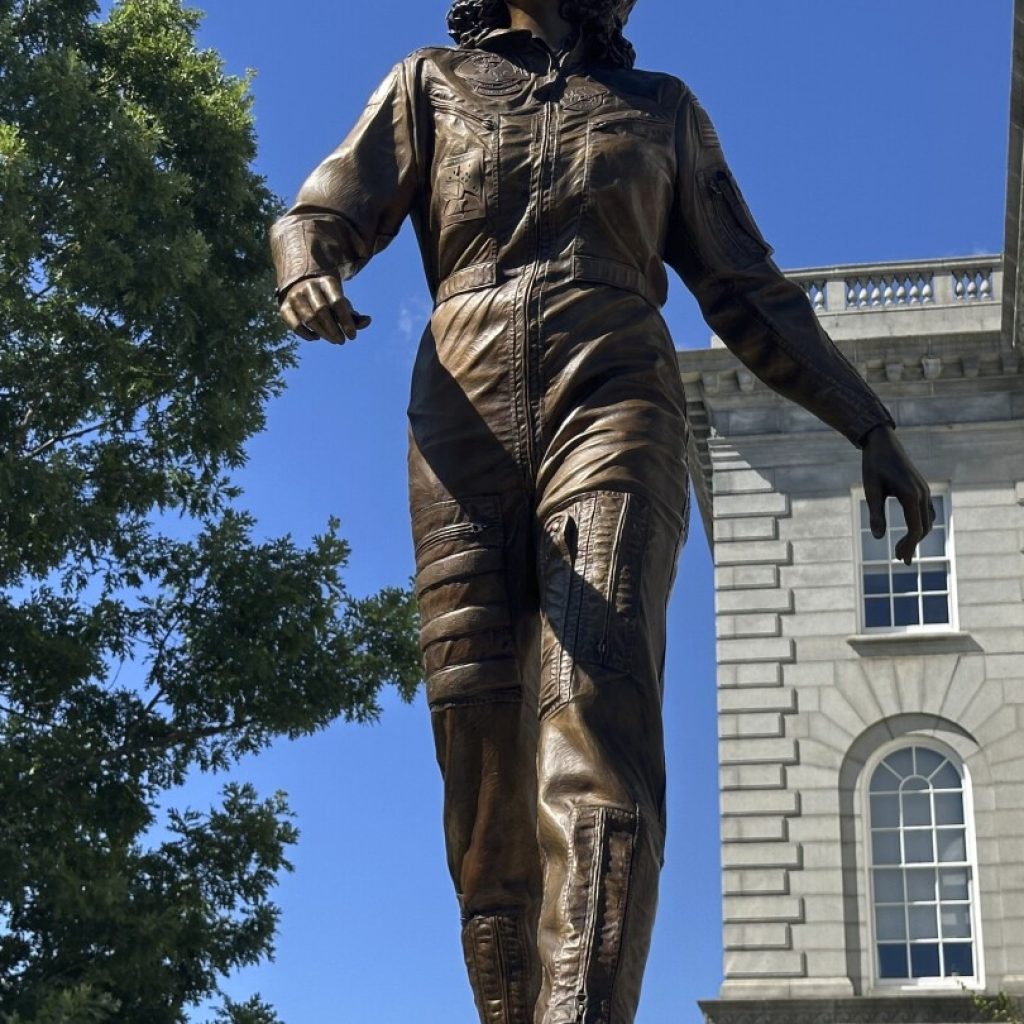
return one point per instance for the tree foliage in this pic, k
(145, 630)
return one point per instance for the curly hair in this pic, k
(601, 22)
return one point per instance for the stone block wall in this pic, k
(804, 701)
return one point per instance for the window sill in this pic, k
(889, 644)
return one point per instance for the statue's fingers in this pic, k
(340, 307)
(875, 498)
(342, 311)
(915, 529)
(291, 318)
(315, 315)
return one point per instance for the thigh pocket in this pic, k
(592, 566)
(465, 629)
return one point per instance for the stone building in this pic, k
(871, 715)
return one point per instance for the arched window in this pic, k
(922, 867)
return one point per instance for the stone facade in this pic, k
(807, 695)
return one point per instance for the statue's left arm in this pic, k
(767, 321)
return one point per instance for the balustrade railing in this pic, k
(898, 289)
(903, 286)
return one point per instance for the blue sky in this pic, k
(860, 131)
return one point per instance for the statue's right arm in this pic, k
(348, 209)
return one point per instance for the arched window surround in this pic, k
(889, 986)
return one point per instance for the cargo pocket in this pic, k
(592, 564)
(736, 228)
(465, 627)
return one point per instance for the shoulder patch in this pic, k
(708, 135)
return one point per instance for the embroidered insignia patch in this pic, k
(584, 97)
(708, 135)
(461, 188)
(491, 75)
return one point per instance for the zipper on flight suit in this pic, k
(532, 350)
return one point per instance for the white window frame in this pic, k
(953, 626)
(888, 986)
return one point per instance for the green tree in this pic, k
(145, 631)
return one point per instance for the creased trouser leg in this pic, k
(478, 632)
(606, 566)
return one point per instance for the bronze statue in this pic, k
(549, 182)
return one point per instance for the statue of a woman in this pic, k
(549, 183)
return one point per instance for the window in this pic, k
(922, 868)
(902, 598)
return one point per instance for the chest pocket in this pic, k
(627, 147)
(465, 167)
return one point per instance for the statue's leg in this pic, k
(478, 609)
(606, 565)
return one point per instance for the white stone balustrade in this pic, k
(817, 293)
(907, 298)
(894, 285)
(889, 290)
(973, 285)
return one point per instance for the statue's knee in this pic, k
(465, 624)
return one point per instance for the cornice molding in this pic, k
(911, 1009)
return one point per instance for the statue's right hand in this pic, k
(316, 307)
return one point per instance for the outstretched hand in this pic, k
(316, 307)
(888, 471)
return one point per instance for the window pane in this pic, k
(959, 959)
(885, 847)
(952, 846)
(935, 577)
(873, 550)
(918, 846)
(936, 609)
(901, 762)
(934, 545)
(953, 884)
(905, 612)
(876, 580)
(905, 580)
(891, 923)
(892, 962)
(915, 784)
(884, 781)
(926, 761)
(917, 809)
(939, 502)
(924, 961)
(923, 922)
(885, 811)
(889, 887)
(947, 777)
(876, 612)
(921, 885)
(956, 922)
(949, 809)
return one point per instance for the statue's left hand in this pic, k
(887, 470)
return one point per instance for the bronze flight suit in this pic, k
(548, 485)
